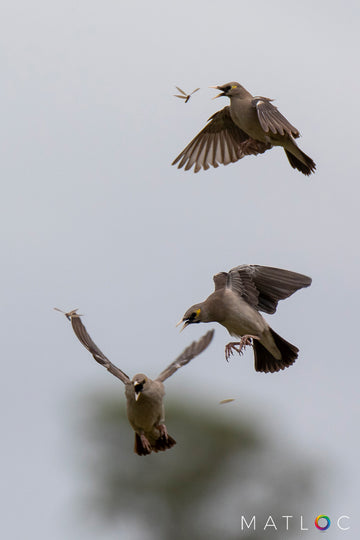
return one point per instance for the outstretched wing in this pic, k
(271, 119)
(188, 354)
(263, 286)
(85, 339)
(221, 141)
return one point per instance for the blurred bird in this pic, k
(250, 125)
(239, 296)
(184, 95)
(144, 397)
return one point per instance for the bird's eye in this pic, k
(234, 86)
(194, 315)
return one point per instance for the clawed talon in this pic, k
(163, 431)
(229, 349)
(238, 346)
(145, 443)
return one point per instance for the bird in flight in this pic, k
(144, 397)
(238, 297)
(250, 125)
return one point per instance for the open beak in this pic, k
(137, 395)
(217, 88)
(184, 325)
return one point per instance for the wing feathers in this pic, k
(87, 342)
(263, 286)
(271, 119)
(188, 354)
(220, 141)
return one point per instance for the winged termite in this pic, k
(184, 94)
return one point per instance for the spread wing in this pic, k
(85, 339)
(263, 286)
(221, 141)
(188, 354)
(271, 119)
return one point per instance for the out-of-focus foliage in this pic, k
(221, 468)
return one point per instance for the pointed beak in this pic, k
(137, 395)
(184, 325)
(217, 88)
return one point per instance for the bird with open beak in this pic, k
(238, 297)
(144, 397)
(250, 125)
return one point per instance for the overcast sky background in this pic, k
(93, 216)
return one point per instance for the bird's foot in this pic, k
(163, 431)
(145, 443)
(229, 349)
(238, 346)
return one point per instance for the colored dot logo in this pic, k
(322, 526)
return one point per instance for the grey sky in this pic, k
(93, 216)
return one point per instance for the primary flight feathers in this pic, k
(184, 358)
(144, 397)
(238, 297)
(250, 125)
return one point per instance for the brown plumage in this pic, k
(144, 397)
(250, 125)
(238, 297)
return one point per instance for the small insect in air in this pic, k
(184, 94)
(224, 401)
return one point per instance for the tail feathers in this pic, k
(306, 165)
(144, 448)
(266, 362)
(163, 443)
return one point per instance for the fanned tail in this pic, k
(160, 445)
(306, 166)
(266, 362)
(163, 444)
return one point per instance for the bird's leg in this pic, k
(163, 431)
(145, 443)
(229, 349)
(238, 346)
